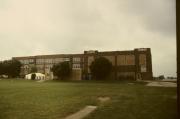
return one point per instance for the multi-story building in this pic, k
(136, 63)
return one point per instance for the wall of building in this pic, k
(76, 74)
(135, 63)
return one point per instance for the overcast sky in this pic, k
(35, 27)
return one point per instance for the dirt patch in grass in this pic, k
(104, 99)
(40, 81)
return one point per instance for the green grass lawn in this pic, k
(23, 99)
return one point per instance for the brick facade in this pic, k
(136, 63)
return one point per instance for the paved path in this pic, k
(82, 113)
(162, 84)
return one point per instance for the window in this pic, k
(40, 61)
(76, 59)
(66, 59)
(76, 66)
(126, 60)
(142, 62)
(48, 61)
(142, 59)
(31, 61)
(58, 60)
(130, 60)
(26, 61)
(90, 60)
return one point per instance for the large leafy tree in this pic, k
(62, 70)
(33, 69)
(100, 68)
(1, 68)
(12, 68)
(15, 67)
(33, 76)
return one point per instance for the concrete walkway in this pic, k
(82, 113)
(162, 84)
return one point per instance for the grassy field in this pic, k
(22, 99)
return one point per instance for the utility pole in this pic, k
(44, 67)
(178, 56)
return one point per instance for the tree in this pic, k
(33, 76)
(1, 68)
(6, 67)
(100, 68)
(62, 70)
(161, 77)
(11, 68)
(16, 68)
(33, 69)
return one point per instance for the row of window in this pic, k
(76, 59)
(38, 66)
(121, 60)
(28, 61)
(42, 61)
(76, 66)
(57, 60)
(126, 60)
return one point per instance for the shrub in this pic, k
(33, 76)
(161, 77)
(33, 69)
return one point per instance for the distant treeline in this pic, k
(163, 77)
(10, 68)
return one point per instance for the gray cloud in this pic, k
(158, 16)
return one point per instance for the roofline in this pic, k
(74, 55)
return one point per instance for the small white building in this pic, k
(39, 76)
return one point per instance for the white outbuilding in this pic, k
(39, 76)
